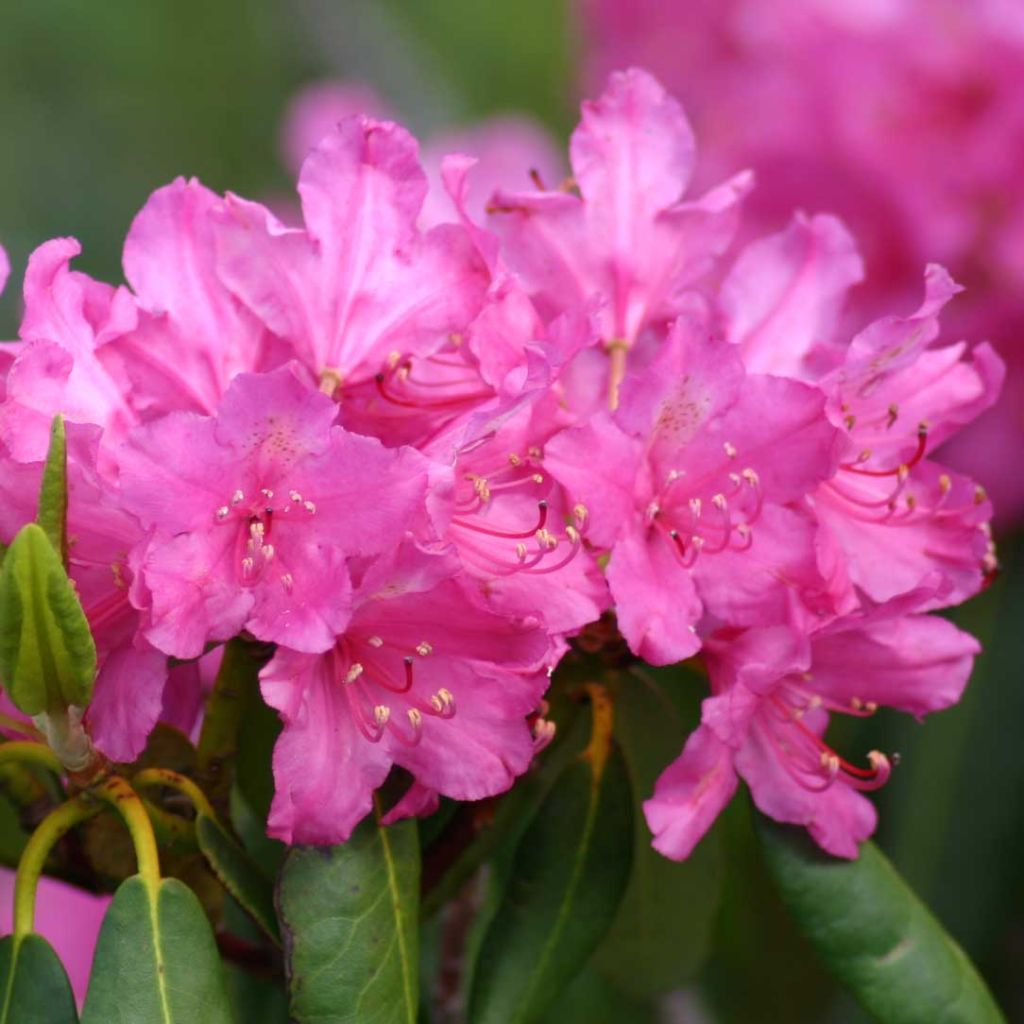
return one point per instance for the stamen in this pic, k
(423, 648)
(354, 672)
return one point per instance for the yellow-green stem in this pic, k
(119, 794)
(151, 777)
(27, 752)
(37, 849)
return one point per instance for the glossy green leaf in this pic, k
(47, 655)
(662, 931)
(34, 987)
(567, 878)
(156, 961)
(53, 492)
(875, 935)
(239, 874)
(349, 919)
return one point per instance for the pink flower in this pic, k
(423, 677)
(194, 336)
(360, 281)
(64, 363)
(254, 512)
(628, 236)
(68, 918)
(896, 516)
(689, 486)
(132, 674)
(773, 691)
(508, 149)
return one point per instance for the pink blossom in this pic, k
(254, 512)
(360, 281)
(193, 337)
(628, 235)
(773, 691)
(689, 485)
(64, 362)
(423, 677)
(132, 673)
(68, 918)
(508, 149)
(897, 516)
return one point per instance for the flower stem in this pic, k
(116, 791)
(153, 777)
(27, 752)
(37, 849)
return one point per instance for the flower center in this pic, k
(693, 525)
(805, 755)
(379, 680)
(255, 518)
(490, 532)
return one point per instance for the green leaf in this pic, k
(34, 988)
(349, 918)
(156, 961)
(239, 874)
(53, 492)
(591, 999)
(874, 934)
(567, 878)
(662, 932)
(47, 655)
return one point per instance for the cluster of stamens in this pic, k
(538, 547)
(809, 760)
(693, 525)
(258, 517)
(365, 680)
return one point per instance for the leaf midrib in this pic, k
(563, 913)
(396, 903)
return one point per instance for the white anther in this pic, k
(375, 641)
(295, 496)
(546, 539)
(268, 552)
(267, 493)
(223, 512)
(381, 715)
(514, 459)
(735, 479)
(730, 449)
(673, 476)
(237, 497)
(751, 477)
(287, 580)
(354, 672)
(719, 502)
(247, 566)
(256, 530)
(309, 507)
(423, 648)
(573, 534)
(534, 452)
(697, 542)
(537, 478)
(653, 510)
(415, 718)
(580, 513)
(695, 507)
(521, 551)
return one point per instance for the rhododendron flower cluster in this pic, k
(419, 453)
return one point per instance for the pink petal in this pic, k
(690, 794)
(784, 294)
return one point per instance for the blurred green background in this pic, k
(100, 103)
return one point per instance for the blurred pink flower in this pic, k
(904, 117)
(68, 918)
